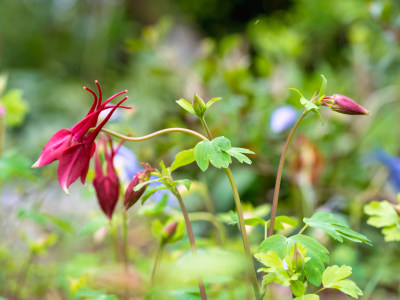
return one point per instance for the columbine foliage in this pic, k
(384, 215)
(218, 152)
(335, 227)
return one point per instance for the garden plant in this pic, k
(297, 261)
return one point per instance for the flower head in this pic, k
(132, 196)
(106, 184)
(75, 146)
(344, 105)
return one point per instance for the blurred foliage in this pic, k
(247, 52)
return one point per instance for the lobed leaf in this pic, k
(335, 227)
(334, 278)
(276, 243)
(381, 213)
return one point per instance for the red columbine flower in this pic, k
(344, 105)
(106, 185)
(74, 147)
(131, 196)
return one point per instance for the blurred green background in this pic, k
(248, 52)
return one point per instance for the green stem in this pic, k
(203, 122)
(304, 228)
(320, 290)
(279, 174)
(191, 237)
(245, 240)
(242, 226)
(157, 262)
(125, 241)
(114, 240)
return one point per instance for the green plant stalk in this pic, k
(304, 228)
(157, 262)
(125, 241)
(279, 174)
(191, 237)
(114, 240)
(242, 225)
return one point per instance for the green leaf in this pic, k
(334, 278)
(201, 154)
(334, 273)
(218, 158)
(185, 182)
(335, 227)
(308, 297)
(276, 243)
(186, 105)
(392, 233)
(140, 185)
(222, 143)
(297, 287)
(183, 158)
(308, 105)
(239, 156)
(318, 256)
(382, 214)
(254, 221)
(269, 259)
(348, 287)
(212, 101)
(16, 107)
(206, 151)
(280, 220)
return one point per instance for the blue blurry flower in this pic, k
(126, 164)
(392, 163)
(282, 118)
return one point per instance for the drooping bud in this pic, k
(132, 196)
(168, 231)
(199, 106)
(344, 105)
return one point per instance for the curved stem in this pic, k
(245, 240)
(154, 134)
(157, 262)
(242, 226)
(279, 174)
(191, 237)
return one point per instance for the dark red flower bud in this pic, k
(106, 185)
(169, 231)
(132, 196)
(344, 105)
